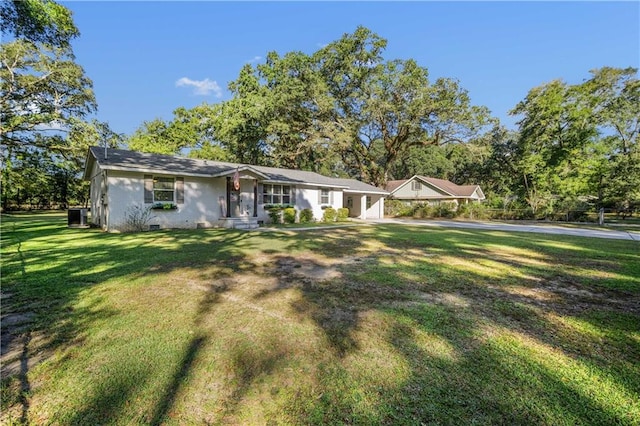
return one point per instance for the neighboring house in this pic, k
(422, 189)
(212, 193)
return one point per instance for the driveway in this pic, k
(501, 226)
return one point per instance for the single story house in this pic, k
(422, 189)
(204, 193)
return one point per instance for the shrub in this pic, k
(137, 218)
(275, 215)
(417, 211)
(397, 208)
(329, 214)
(421, 211)
(476, 210)
(343, 214)
(446, 210)
(289, 215)
(306, 216)
(463, 211)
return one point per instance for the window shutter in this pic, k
(179, 190)
(331, 196)
(292, 193)
(148, 189)
(319, 196)
(260, 192)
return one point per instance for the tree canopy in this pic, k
(43, 21)
(344, 105)
(45, 98)
(581, 140)
(346, 110)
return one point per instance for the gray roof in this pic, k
(120, 159)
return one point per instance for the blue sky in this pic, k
(148, 58)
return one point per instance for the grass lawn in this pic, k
(310, 225)
(382, 324)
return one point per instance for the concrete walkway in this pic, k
(501, 226)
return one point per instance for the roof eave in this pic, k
(302, 183)
(153, 170)
(356, 191)
(89, 160)
(243, 168)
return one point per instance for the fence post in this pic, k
(601, 217)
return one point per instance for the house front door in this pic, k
(243, 201)
(236, 203)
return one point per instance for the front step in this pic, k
(246, 225)
(239, 222)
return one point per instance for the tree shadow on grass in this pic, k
(468, 385)
(480, 382)
(183, 370)
(47, 278)
(485, 382)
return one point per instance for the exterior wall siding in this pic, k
(204, 201)
(426, 191)
(308, 197)
(376, 211)
(97, 188)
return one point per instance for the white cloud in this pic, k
(254, 60)
(201, 87)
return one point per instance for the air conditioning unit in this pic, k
(77, 218)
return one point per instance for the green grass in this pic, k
(309, 225)
(382, 324)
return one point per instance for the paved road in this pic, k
(497, 226)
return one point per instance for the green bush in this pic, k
(306, 216)
(446, 210)
(275, 215)
(421, 211)
(289, 215)
(396, 208)
(329, 214)
(474, 210)
(463, 211)
(343, 214)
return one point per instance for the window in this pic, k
(163, 189)
(368, 201)
(416, 186)
(324, 196)
(276, 194)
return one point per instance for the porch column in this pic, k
(228, 196)
(363, 207)
(255, 198)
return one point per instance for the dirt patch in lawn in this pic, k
(306, 267)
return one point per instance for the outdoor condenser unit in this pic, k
(77, 218)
